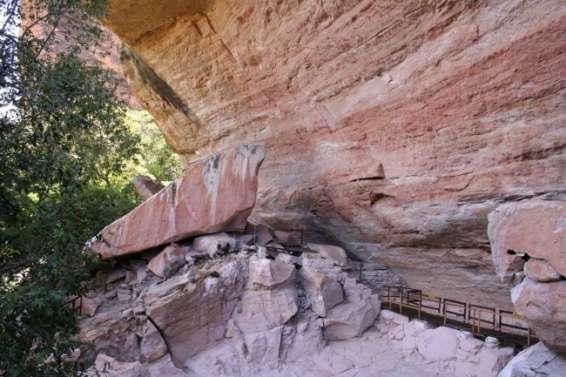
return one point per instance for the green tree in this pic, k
(64, 146)
(154, 157)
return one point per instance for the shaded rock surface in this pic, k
(214, 194)
(393, 127)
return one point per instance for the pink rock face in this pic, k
(214, 194)
(531, 229)
(543, 305)
(540, 270)
(393, 126)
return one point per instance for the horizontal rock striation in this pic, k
(213, 194)
(394, 127)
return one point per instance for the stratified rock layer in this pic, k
(392, 126)
(217, 193)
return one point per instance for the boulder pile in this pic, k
(251, 312)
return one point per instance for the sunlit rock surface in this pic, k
(393, 127)
(213, 194)
(242, 314)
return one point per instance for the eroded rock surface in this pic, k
(214, 194)
(393, 126)
(528, 242)
(543, 305)
(529, 229)
(536, 361)
(242, 314)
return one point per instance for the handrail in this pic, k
(479, 317)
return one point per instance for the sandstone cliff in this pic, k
(393, 127)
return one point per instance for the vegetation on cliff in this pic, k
(66, 153)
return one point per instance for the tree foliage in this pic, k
(64, 146)
(154, 157)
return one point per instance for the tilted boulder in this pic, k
(192, 310)
(214, 194)
(267, 273)
(146, 187)
(543, 305)
(270, 298)
(524, 230)
(351, 318)
(324, 292)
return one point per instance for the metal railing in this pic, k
(480, 319)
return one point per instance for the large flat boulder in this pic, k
(214, 194)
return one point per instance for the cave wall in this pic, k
(392, 127)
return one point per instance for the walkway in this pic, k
(480, 320)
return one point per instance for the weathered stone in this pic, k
(214, 244)
(351, 318)
(263, 310)
(263, 234)
(536, 361)
(264, 347)
(192, 312)
(334, 253)
(164, 368)
(152, 345)
(106, 366)
(540, 270)
(218, 321)
(529, 229)
(214, 194)
(543, 305)
(146, 187)
(288, 238)
(323, 292)
(168, 261)
(268, 274)
(439, 344)
(89, 305)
